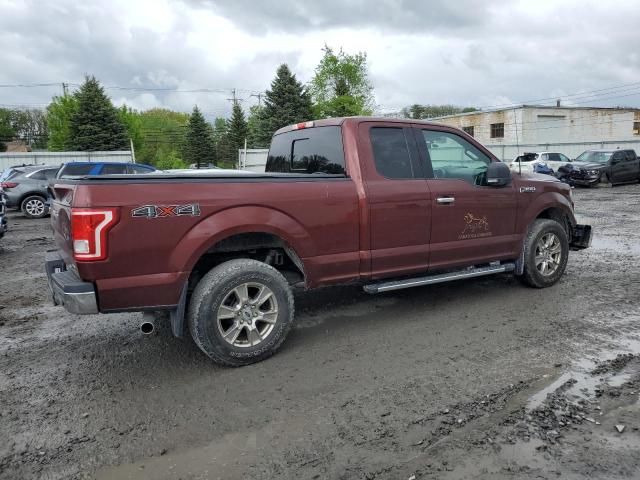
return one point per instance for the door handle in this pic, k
(445, 200)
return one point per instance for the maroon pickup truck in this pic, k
(384, 203)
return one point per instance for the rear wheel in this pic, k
(546, 251)
(34, 207)
(241, 312)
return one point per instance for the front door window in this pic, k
(453, 157)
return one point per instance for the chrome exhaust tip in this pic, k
(147, 328)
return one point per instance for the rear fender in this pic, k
(234, 221)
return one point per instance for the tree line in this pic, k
(86, 119)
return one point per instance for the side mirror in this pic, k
(498, 174)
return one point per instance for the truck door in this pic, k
(618, 166)
(634, 160)
(471, 223)
(630, 163)
(398, 201)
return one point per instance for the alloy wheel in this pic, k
(247, 315)
(548, 254)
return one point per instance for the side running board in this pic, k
(440, 278)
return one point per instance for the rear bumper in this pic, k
(67, 288)
(12, 200)
(581, 237)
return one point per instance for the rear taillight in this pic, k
(8, 184)
(89, 229)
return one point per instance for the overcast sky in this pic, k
(442, 51)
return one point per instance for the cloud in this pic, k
(388, 15)
(441, 51)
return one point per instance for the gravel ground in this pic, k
(477, 379)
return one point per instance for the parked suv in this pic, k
(25, 188)
(527, 161)
(81, 169)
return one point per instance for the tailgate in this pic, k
(62, 197)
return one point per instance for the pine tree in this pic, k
(95, 125)
(255, 123)
(224, 154)
(236, 130)
(287, 102)
(198, 148)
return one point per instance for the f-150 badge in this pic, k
(162, 211)
(475, 227)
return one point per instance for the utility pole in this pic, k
(234, 100)
(65, 87)
(259, 96)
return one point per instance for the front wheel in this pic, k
(34, 207)
(546, 251)
(605, 181)
(240, 312)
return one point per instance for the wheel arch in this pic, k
(554, 206)
(244, 232)
(34, 193)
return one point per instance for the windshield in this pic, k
(594, 157)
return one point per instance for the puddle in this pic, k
(580, 383)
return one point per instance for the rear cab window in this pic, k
(307, 151)
(391, 152)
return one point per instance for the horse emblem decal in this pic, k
(475, 227)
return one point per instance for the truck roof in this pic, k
(327, 122)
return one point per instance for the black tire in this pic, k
(34, 206)
(218, 286)
(532, 275)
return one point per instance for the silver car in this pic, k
(25, 188)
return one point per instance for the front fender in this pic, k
(233, 221)
(544, 202)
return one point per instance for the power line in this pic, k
(631, 87)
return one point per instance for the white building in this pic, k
(568, 130)
(253, 159)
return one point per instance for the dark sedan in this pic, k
(607, 167)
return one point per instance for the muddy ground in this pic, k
(478, 379)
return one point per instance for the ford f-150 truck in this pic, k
(387, 204)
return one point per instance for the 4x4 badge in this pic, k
(527, 189)
(161, 211)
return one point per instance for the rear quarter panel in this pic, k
(150, 258)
